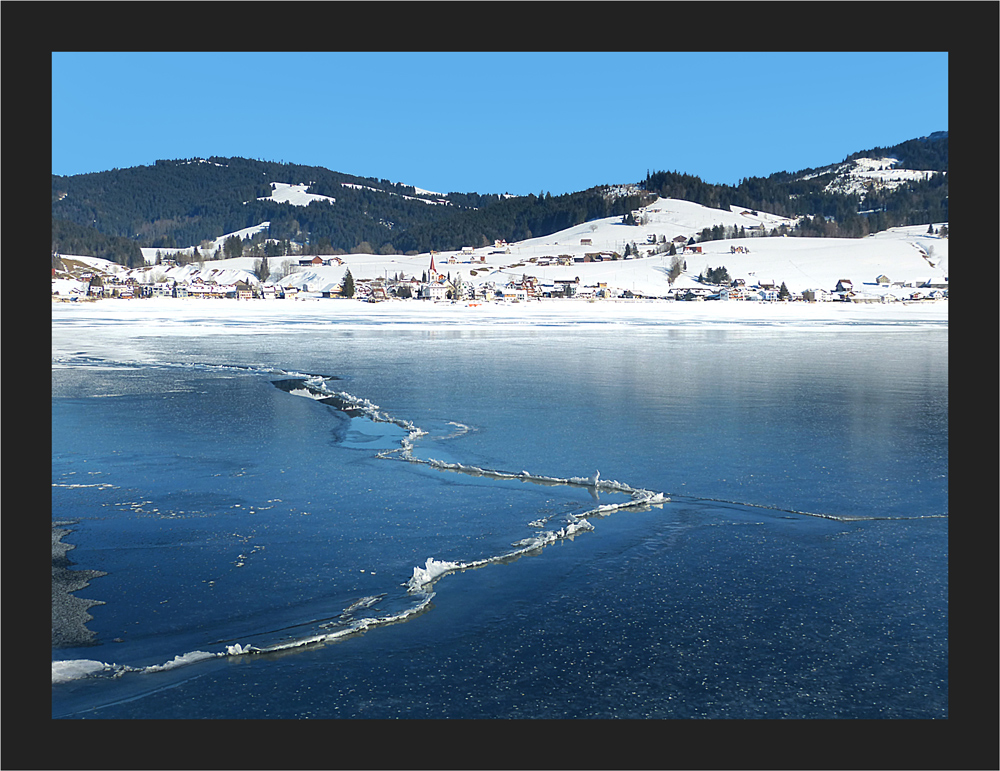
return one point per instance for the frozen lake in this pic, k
(798, 569)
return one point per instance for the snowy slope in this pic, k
(149, 254)
(901, 254)
(294, 194)
(858, 176)
(904, 255)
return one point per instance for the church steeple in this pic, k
(432, 275)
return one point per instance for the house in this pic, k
(883, 279)
(317, 260)
(566, 287)
(768, 295)
(585, 241)
(243, 290)
(734, 292)
(815, 295)
(433, 291)
(844, 285)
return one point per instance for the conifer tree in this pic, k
(347, 288)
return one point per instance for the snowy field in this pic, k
(907, 257)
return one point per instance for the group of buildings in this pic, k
(437, 286)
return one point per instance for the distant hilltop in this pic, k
(192, 203)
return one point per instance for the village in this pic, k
(435, 285)
(644, 259)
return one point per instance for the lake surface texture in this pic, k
(565, 522)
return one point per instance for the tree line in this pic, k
(179, 203)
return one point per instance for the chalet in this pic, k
(566, 287)
(163, 289)
(585, 241)
(844, 285)
(883, 279)
(765, 283)
(692, 248)
(243, 290)
(734, 292)
(317, 260)
(768, 295)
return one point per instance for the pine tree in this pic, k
(783, 293)
(347, 289)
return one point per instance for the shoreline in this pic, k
(177, 314)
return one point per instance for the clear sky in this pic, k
(495, 122)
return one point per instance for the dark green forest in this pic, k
(71, 238)
(181, 203)
(830, 214)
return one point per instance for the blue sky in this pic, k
(495, 122)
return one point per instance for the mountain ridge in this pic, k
(187, 202)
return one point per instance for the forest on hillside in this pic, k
(183, 203)
(830, 214)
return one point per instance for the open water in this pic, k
(562, 522)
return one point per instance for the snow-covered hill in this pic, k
(905, 256)
(859, 176)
